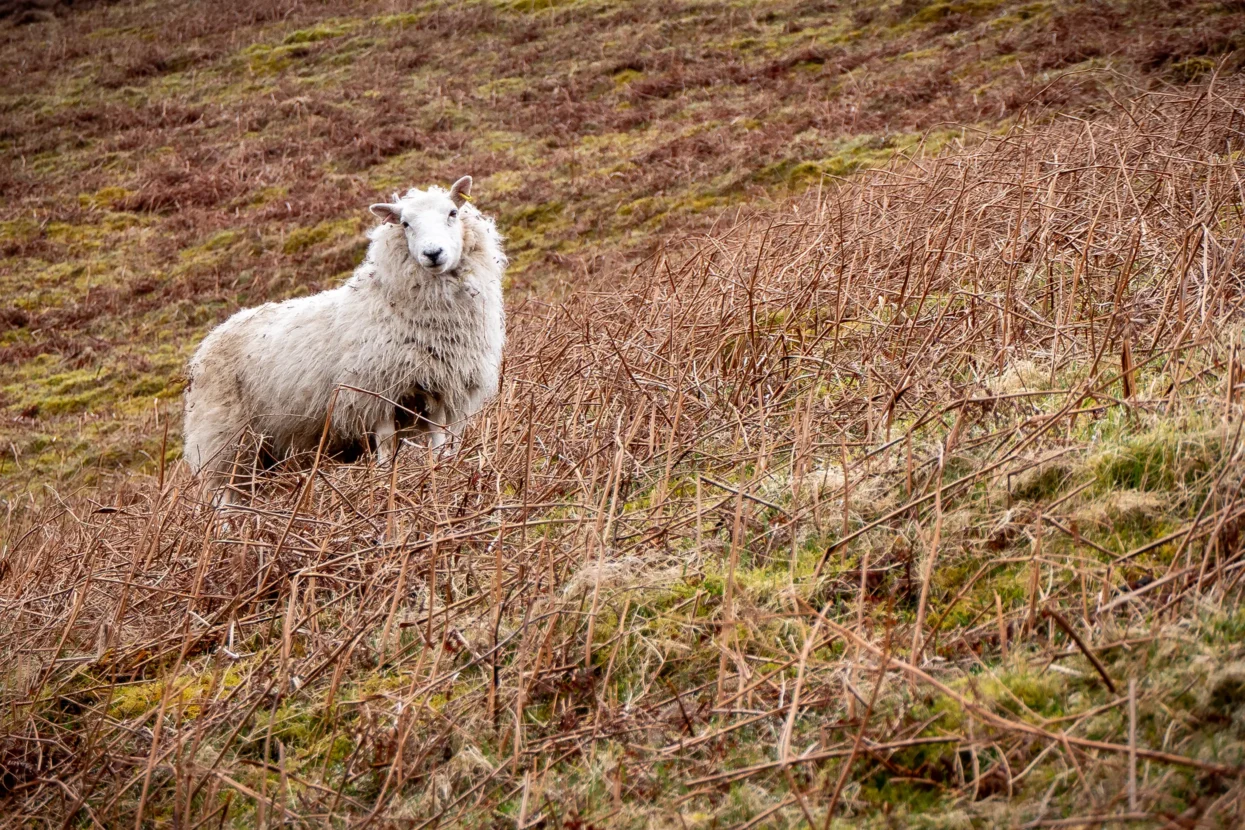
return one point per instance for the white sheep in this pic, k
(419, 325)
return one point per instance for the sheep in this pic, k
(410, 344)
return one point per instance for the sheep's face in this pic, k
(430, 221)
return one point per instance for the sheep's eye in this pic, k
(453, 213)
(405, 225)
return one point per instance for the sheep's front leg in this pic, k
(453, 431)
(386, 440)
(224, 496)
(435, 424)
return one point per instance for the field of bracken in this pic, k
(869, 448)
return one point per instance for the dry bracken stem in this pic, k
(727, 637)
(927, 570)
(860, 733)
(1132, 744)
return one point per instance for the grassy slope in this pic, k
(577, 620)
(612, 626)
(162, 168)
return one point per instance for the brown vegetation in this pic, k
(820, 512)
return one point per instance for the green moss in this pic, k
(1015, 16)
(300, 239)
(1191, 69)
(130, 701)
(401, 20)
(503, 86)
(533, 5)
(914, 15)
(300, 726)
(531, 230)
(1042, 482)
(920, 54)
(265, 59)
(216, 242)
(78, 235)
(502, 183)
(324, 31)
(19, 231)
(625, 76)
(938, 11)
(1158, 460)
(267, 195)
(905, 796)
(61, 393)
(849, 156)
(1041, 693)
(1230, 627)
(105, 198)
(650, 211)
(350, 51)
(516, 145)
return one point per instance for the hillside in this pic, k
(162, 166)
(868, 454)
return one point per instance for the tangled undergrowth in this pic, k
(164, 164)
(915, 505)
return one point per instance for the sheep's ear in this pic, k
(387, 213)
(460, 190)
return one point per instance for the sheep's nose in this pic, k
(433, 255)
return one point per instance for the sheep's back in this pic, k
(277, 365)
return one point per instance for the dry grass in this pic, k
(815, 513)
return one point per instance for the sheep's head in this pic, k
(430, 221)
